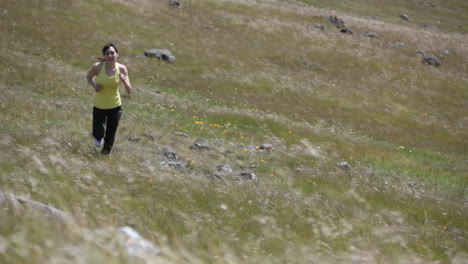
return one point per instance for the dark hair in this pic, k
(107, 46)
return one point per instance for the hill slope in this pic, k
(273, 95)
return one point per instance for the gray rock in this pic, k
(446, 53)
(124, 242)
(174, 3)
(177, 165)
(135, 245)
(248, 176)
(160, 54)
(224, 168)
(429, 59)
(180, 134)
(339, 23)
(426, 4)
(20, 203)
(133, 139)
(346, 31)
(406, 17)
(314, 66)
(370, 34)
(148, 136)
(344, 165)
(201, 144)
(215, 176)
(319, 26)
(170, 154)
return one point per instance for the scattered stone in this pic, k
(446, 53)
(314, 66)
(426, 4)
(344, 165)
(160, 54)
(170, 154)
(370, 172)
(177, 165)
(346, 31)
(148, 136)
(370, 34)
(224, 168)
(411, 184)
(248, 176)
(429, 59)
(215, 176)
(174, 3)
(180, 134)
(397, 45)
(201, 144)
(458, 234)
(406, 17)
(339, 23)
(267, 147)
(133, 139)
(319, 26)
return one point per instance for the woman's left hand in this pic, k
(123, 77)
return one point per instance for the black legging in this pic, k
(105, 123)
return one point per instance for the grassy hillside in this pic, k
(248, 74)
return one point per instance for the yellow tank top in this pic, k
(109, 96)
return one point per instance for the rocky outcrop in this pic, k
(127, 240)
(19, 203)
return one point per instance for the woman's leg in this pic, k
(99, 121)
(113, 118)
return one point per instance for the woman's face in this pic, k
(111, 54)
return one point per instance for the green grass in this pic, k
(247, 74)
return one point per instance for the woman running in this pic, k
(105, 77)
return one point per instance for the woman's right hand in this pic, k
(97, 87)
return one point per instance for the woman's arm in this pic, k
(125, 79)
(93, 72)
